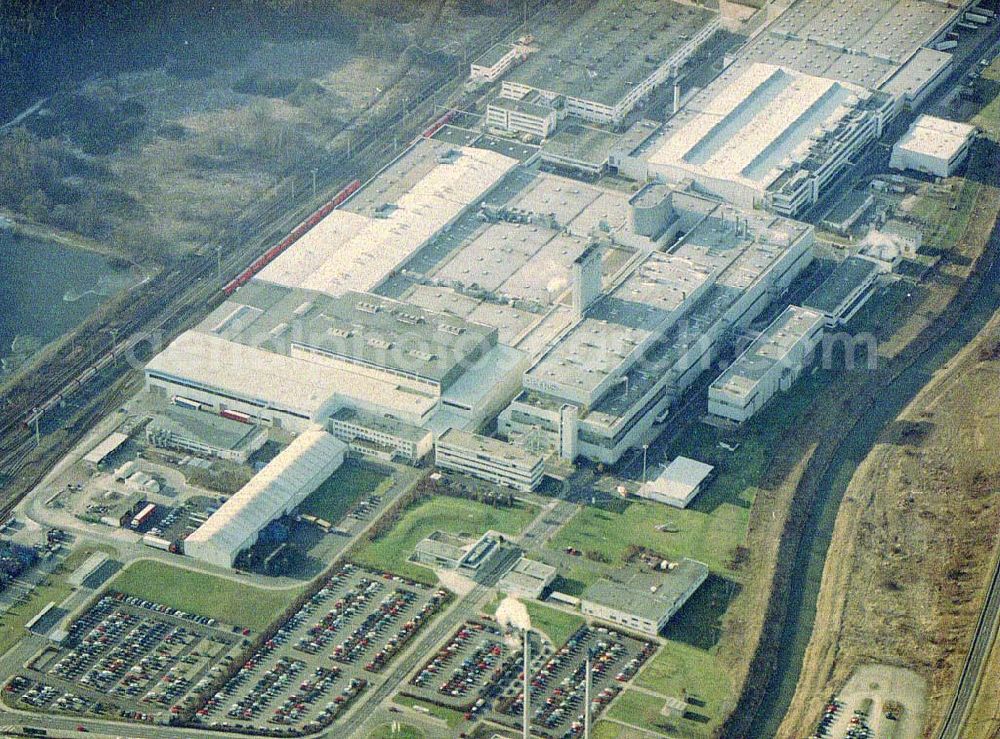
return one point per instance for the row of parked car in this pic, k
(345, 608)
(270, 683)
(297, 704)
(474, 668)
(406, 631)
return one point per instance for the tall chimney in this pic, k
(526, 713)
(586, 279)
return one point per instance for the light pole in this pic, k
(645, 448)
(314, 182)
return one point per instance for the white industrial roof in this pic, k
(282, 382)
(775, 345)
(936, 137)
(348, 251)
(287, 479)
(748, 124)
(110, 444)
(678, 479)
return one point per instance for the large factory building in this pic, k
(764, 135)
(283, 484)
(636, 347)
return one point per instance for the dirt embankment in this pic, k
(912, 545)
(904, 332)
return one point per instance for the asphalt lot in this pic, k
(324, 655)
(558, 684)
(468, 672)
(124, 658)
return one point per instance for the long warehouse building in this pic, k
(276, 490)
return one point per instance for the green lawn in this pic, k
(453, 515)
(988, 119)
(452, 718)
(714, 523)
(677, 668)
(641, 709)
(345, 487)
(405, 732)
(53, 589)
(942, 225)
(206, 595)
(557, 625)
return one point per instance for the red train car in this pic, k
(297, 233)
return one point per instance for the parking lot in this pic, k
(324, 655)
(557, 687)
(126, 658)
(470, 670)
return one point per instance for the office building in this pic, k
(771, 363)
(489, 459)
(643, 601)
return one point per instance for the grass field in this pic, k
(557, 625)
(642, 709)
(404, 731)
(53, 588)
(942, 225)
(226, 600)
(345, 487)
(988, 119)
(713, 525)
(677, 668)
(450, 717)
(453, 515)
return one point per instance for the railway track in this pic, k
(170, 300)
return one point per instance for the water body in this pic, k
(47, 289)
(807, 573)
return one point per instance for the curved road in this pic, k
(986, 632)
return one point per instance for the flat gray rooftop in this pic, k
(385, 424)
(359, 327)
(210, 428)
(858, 41)
(842, 282)
(611, 48)
(647, 595)
(486, 445)
(772, 347)
(493, 54)
(723, 255)
(592, 145)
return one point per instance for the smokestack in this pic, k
(586, 279)
(526, 713)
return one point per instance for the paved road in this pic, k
(422, 647)
(548, 520)
(986, 631)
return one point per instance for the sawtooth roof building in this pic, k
(361, 243)
(762, 135)
(615, 56)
